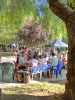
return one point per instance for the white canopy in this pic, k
(57, 43)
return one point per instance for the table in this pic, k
(26, 75)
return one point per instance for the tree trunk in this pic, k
(70, 84)
(68, 16)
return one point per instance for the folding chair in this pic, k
(58, 69)
(36, 70)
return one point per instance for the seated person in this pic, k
(63, 59)
(34, 61)
(44, 59)
(17, 60)
(16, 63)
(54, 60)
(22, 60)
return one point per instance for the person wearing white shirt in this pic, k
(54, 60)
(44, 58)
(34, 61)
(22, 60)
(44, 61)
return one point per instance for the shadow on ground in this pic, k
(31, 97)
(61, 82)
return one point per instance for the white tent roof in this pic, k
(57, 43)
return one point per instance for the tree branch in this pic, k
(61, 10)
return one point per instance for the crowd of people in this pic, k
(32, 55)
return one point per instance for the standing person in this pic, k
(32, 51)
(49, 52)
(17, 60)
(16, 52)
(22, 49)
(59, 55)
(19, 50)
(16, 68)
(29, 55)
(26, 51)
(36, 55)
(50, 55)
(40, 60)
(44, 53)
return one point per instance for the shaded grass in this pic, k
(7, 54)
(61, 82)
(38, 91)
